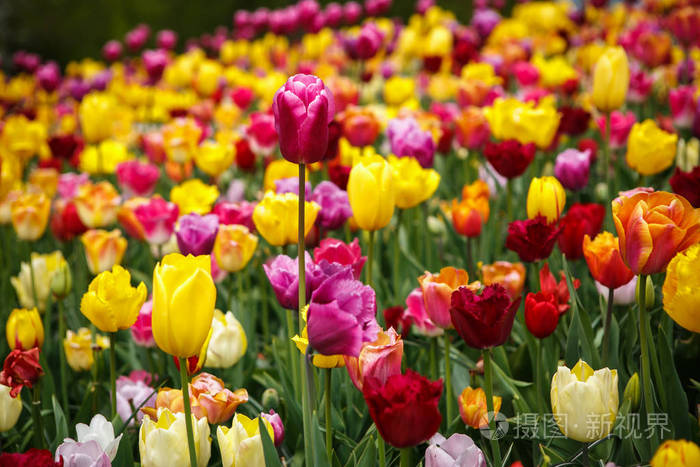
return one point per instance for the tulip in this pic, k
(10, 409)
(341, 315)
(484, 320)
(35, 277)
(371, 193)
(241, 444)
(32, 457)
(680, 302)
(457, 450)
(404, 408)
(235, 213)
(303, 108)
(276, 218)
(137, 178)
(510, 275)
(545, 197)
(318, 360)
(623, 295)
(525, 122)
(472, 407)
(128, 220)
(133, 392)
(574, 120)
(97, 112)
(234, 247)
(469, 215)
(79, 349)
(180, 139)
(214, 158)
(277, 426)
(103, 249)
(279, 169)
(407, 139)
(682, 102)
(141, 330)
(157, 217)
(604, 261)
(532, 239)
(510, 158)
(360, 126)
(261, 133)
(584, 402)
(653, 227)
(581, 219)
(541, 314)
(335, 207)
(44, 180)
(76, 454)
(472, 128)
(571, 169)
(687, 184)
(346, 254)
(379, 359)
(412, 183)
(194, 196)
(24, 329)
(650, 149)
(97, 204)
(228, 341)
(676, 453)
(437, 293)
(611, 78)
(30, 215)
(184, 296)
(633, 392)
(99, 431)
(196, 234)
(21, 368)
(164, 441)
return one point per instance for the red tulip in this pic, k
(559, 290)
(32, 458)
(21, 368)
(405, 408)
(509, 158)
(541, 314)
(580, 219)
(687, 184)
(532, 239)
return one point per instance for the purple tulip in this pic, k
(100, 80)
(132, 392)
(341, 315)
(155, 61)
(49, 76)
(196, 234)
(76, 454)
(277, 426)
(335, 207)
(408, 139)
(112, 50)
(377, 7)
(283, 274)
(571, 169)
(77, 88)
(157, 217)
(485, 20)
(458, 449)
(137, 37)
(303, 108)
(166, 39)
(422, 6)
(291, 185)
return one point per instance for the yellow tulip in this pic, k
(228, 341)
(97, 112)
(319, 360)
(184, 296)
(371, 192)
(438, 42)
(680, 290)
(526, 122)
(214, 158)
(10, 408)
(194, 196)
(278, 169)
(103, 249)
(111, 303)
(276, 218)
(164, 441)
(36, 277)
(234, 247)
(24, 329)
(546, 197)
(584, 402)
(30, 214)
(676, 453)
(412, 183)
(241, 445)
(44, 180)
(180, 138)
(555, 71)
(399, 89)
(611, 77)
(650, 149)
(23, 138)
(104, 157)
(207, 80)
(97, 204)
(79, 348)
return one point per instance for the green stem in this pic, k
(606, 329)
(36, 417)
(488, 377)
(184, 381)
(405, 457)
(470, 260)
(538, 377)
(586, 460)
(448, 383)
(370, 258)
(35, 296)
(329, 424)
(381, 448)
(304, 369)
(113, 372)
(433, 358)
(62, 355)
(395, 272)
(509, 200)
(291, 350)
(644, 342)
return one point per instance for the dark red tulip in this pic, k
(581, 219)
(21, 368)
(687, 184)
(32, 458)
(541, 314)
(574, 120)
(532, 239)
(509, 158)
(559, 290)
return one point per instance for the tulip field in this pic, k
(327, 236)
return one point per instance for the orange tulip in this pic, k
(127, 217)
(44, 179)
(30, 214)
(103, 249)
(653, 227)
(470, 214)
(97, 204)
(473, 409)
(604, 260)
(510, 275)
(437, 293)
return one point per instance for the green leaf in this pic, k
(61, 424)
(677, 402)
(272, 459)
(318, 445)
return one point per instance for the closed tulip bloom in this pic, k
(437, 293)
(611, 77)
(10, 409)
(571, 169)
(473, 408)
(581, 219)
(234, 247)
(584, 402)
(681, 300)
(164, 441)
(196, 234)
(653, 227)
(111, 303)
(194, 196)
(412, 183)
(241, 445)
(157, 217)
(276, 218)
(24, 329)
(303, 108)
(30, 215)
(37, 278)
(676, 453)
(97, 204)
(96, 113)
(650, 149)
(103, 249)
(456, 451)
(371, 192)
(545, 197)
(510, 158)
(510, 275)
(379, 359)
(404, 408)
(228, 341)
(214, 158)
(360, 126)
(184, 296)
(541, 314)
(137, 178)
(78, 349)
(604, 260)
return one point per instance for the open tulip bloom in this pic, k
(354, 233)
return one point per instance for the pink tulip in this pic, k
(277, 426)
(620, 126)
(166, 39)
(158, 218)
(682, 103)
(261, 133)
(337, 251)
(141, 330)
(137, 178)
(112, 50)
(379, 359)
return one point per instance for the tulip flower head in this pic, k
(680, 301)
(276, 218)
(163, 441)
(676, 453)
(241, 444)
(228, 341)
(21, 368)
(371, 192)
(473, 407)
(24, 329)
(611, 78)
(545, 197)
(10, 409)
(379, 359)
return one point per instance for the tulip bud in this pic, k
(24, 329)
(62, 281)
(650, 296)
(10, 408)
(632, 392)
(270, 399)
(436, 226)
(601, 191)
